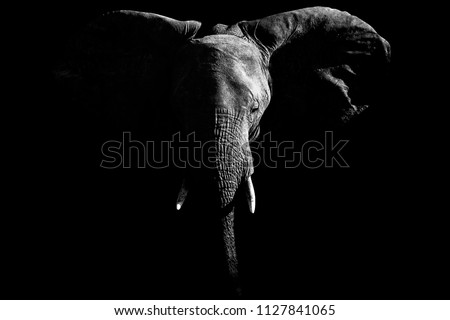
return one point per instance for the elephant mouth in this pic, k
(224, 202)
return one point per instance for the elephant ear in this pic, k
(325, 64)
(118, 67)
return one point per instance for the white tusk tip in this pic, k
(182, 194)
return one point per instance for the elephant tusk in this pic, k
(182, 194)
(251, 195)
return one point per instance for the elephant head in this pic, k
(218, 81)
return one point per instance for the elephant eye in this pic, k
(255, 106)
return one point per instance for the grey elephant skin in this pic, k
(154, 76)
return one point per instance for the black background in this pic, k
(373, 231)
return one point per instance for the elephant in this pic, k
(155, 76)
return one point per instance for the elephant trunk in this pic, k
(233, 166)
(231, 163)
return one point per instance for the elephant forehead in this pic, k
(236, 61)
(232, 45)
(230, 67)
(229, 53)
